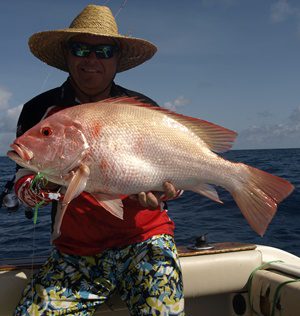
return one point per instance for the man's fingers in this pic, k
(148, 200)
(169, 191)
(142, 199)
(152, 200)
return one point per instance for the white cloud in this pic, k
(280, 135)
(282, 11)
(8, 120)
(208, 3)
(5, 140)
(265, 114)
(4, 98)
(175, 104)
(294, 118)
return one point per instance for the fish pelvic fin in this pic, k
(113, 204)
(75, 187)
(258, 197)
(208, 191)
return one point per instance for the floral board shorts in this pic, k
(147, 276)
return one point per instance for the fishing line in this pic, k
(38, 180)
(121, 8)
(32, 263)
(45, 80)
(36, 208)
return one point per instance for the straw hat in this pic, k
(93, 20)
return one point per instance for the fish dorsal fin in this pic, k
(218, 139)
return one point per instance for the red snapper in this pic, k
(121, 146)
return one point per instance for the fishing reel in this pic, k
(8, 199)
(11, 202)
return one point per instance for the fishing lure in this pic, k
(37, 186)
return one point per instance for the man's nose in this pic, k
(92, 55)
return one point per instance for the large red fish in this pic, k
(121, 147)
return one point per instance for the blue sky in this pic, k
(232, 62)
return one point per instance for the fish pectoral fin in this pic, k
(77, 183)
(208, 191)
(75, 187)
(113, 204)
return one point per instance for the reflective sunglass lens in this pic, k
(84, 50)
(104, 52)
(79, 50)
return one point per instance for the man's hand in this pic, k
(152, 200)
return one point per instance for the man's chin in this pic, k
(93, 91)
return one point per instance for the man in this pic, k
(96, 252)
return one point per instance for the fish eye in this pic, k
(46, 131)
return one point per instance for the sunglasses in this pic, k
(105, 51)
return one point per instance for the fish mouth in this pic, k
(20, 152)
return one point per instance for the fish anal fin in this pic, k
(208, 191)
(113, 204)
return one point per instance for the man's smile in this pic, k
(90, 69)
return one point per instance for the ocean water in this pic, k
(193, 214)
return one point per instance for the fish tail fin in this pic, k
(258, 195)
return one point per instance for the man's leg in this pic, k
(152, 281)
(66, 285)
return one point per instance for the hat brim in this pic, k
(48, 47)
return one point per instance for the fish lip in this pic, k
(21, 151)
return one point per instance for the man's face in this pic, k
(92, 74)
